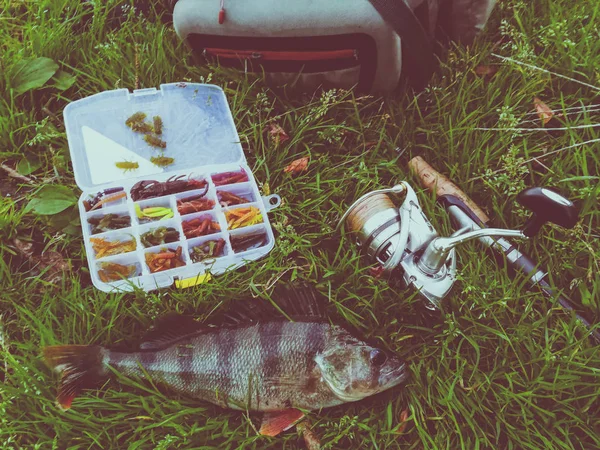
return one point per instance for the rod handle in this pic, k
(435, 182)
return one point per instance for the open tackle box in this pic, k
(149, 225)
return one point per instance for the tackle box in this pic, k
(201, 137)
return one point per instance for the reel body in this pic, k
(396, 237)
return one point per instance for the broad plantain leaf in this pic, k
(28, 165)
(51, 199)
(30, 74)
(63, 80)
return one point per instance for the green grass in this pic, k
(504, 368)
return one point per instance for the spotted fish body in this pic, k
(263, 367)
(251, 359)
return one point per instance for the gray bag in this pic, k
(333, 43)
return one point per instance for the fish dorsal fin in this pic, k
(299, 303)
(170, 328)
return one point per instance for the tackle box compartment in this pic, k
(201, 137)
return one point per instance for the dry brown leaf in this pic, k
(51, 264)
(543, 110)
(278, 133)
(403, 421)
(486, 71)
(298, 166)
(376, 272)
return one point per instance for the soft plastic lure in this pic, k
(162, 161)
(127, 165)
(158, 125)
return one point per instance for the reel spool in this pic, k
(375, 221)
(381, 229)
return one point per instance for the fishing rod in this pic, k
(405, 243)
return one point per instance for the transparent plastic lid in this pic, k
(198, 130)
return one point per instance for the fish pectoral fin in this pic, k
(274, 423)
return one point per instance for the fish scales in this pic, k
(265, 366)
(247, 359)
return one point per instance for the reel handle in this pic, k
(547, 206)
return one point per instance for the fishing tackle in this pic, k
(222, 179)
(242, 243)
(547, 205)
(153, 213)
(154, 141)
(194, 204)
(207, 250)
(150, 188)
(243, 217)
(109, 222)
(165, 260)
(136, 118)
(127, 166)
(162, 161)
(404, 243)
(110, 271)
(112, 195)
(158, 125)
(199, 227)
(229, 199)
(104, 247)
(159, 236)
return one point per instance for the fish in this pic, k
(282, 359)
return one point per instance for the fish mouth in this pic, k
(394, 377)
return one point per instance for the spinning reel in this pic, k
(402, 240)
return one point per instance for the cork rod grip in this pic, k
(434, 181)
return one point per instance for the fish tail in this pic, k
(80, 366)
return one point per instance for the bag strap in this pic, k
(416, 44)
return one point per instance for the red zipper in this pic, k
(272, 55)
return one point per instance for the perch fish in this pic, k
(253, 358)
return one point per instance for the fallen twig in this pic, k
(14, 174)
(577, 127)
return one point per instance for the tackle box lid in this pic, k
(198, 129)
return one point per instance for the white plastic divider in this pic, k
(144, 278)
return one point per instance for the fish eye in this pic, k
(378, 358)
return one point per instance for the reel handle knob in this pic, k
(547, 206)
